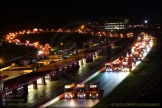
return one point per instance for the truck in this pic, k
(69, 91)
(55, 57)
(81, 90)
(24, 62)
(45, 62)
(117, 65)
(125, 66)
(137, 56)
(108, 67)
(131, 63)
(94, 90)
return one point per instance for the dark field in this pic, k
(54, 39)
(11, 51)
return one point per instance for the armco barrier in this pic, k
(5, 68)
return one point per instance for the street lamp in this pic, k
(61, 45)
(82, 26)
(1, 61)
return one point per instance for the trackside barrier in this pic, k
(87, 79)
(2, 69)
(52, 101)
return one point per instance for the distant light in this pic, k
(1, 61)
(35, 29)
(145, 21)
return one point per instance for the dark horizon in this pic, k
(57, 14)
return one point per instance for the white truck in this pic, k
(69, 91)
(108, 67)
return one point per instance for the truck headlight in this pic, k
(71, 95)
(65, 95)
(89, 94)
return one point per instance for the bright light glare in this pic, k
(39, 81)
(35, 29)
(40, 52)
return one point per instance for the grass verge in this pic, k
(139, 74)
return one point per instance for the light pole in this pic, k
(1, 61)
(61, 45)
(146, 23)
(82, 27)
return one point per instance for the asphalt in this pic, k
(107, 81)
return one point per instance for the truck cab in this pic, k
(131, 63)
(137, 56)
(69, 91)
(125, 66)
(108, 67)
(94, 90)
(81, 90)
(117, 65)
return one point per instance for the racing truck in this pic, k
(69, 91)
(81, 91)
(94, 90)
(108, 67)
(117, 65)
(131, 63)
(137, 56)
(125, 66)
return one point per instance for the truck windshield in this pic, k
(108, 66)
(93, 89)
(68, 89)
(125, 66)
(116, 65)
(80, 89)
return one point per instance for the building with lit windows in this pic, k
(115, 25)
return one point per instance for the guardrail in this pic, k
(5, 68)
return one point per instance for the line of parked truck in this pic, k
(82, 91)
(129, 60)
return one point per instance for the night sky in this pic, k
(61, 12)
